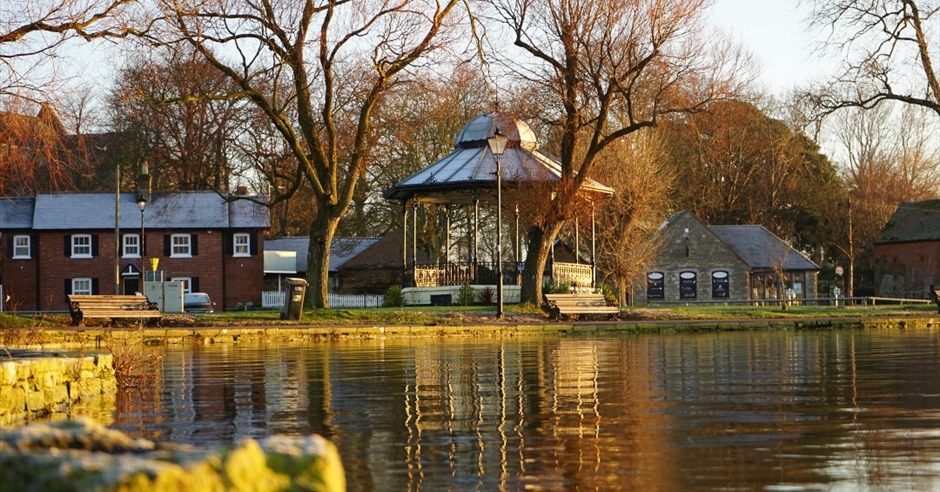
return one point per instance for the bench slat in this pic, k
(83, 306)
(568, 304)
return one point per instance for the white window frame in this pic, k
(22, 247)
(127, 246)
(187, 283)
(241, 244)
(77, 247)
(185, 243)
(81, 286)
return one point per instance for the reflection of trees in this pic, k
(745, 410)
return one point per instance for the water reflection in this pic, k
(834, 410)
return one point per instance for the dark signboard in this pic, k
(687, 285)
(655, 286)
(720, 285)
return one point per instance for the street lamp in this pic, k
(141, 204)
(497, 145)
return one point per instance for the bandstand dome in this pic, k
(468, 171)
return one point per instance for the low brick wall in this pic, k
(36, 383)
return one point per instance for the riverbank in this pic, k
(235, 327)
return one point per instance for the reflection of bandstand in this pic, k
(458, 184)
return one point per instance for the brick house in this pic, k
(59, 244)
(725, 263)
(907, 252)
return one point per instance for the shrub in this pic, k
(609, 295)
(550, 287)
(487, 296)
(393, 297)
(465, 295)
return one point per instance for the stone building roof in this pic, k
(761, 249)
(913, 221)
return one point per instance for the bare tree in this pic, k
(603, 71)
(628, 222)
(31, 32)
(317, 71)
(885, 164)
(890, 45)
(173, 111)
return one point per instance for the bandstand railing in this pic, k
(460, 273)
(573, 274)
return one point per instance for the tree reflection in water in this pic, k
(841, 409)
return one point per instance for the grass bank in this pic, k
(473, 315)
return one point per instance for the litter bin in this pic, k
(294, 303)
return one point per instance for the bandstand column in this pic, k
(414, 238)
(517, 238)
(447, 238)
(577, 242)
(476, 239)
(593, 249)
(404, 242)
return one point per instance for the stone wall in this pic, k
(39, 383)
(80, 454)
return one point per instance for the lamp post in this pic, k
(141, 204)
(497, 145)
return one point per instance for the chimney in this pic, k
(241, 190)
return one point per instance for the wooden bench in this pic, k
(934, 295)
(82, 307)
(578, 304)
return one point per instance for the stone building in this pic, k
(728, 263)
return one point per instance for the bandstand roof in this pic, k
(471, 167)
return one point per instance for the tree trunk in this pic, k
(540, 239)
(322, 230)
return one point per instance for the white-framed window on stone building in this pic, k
(21, 248)
(720, 284)
(81, 245)
(81, 286)
(242, 244)
(131, 246)
(688, 285)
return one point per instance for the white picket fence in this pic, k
(275, 300)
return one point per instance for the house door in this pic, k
(131, 285)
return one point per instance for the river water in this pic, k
(771, 410)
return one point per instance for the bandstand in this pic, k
(465, 183)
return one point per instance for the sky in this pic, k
(778, 35)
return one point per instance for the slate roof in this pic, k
(16, 213)
(342, 249)
(913, 221)
(760, 249)
(180, 210)
(472, 166)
